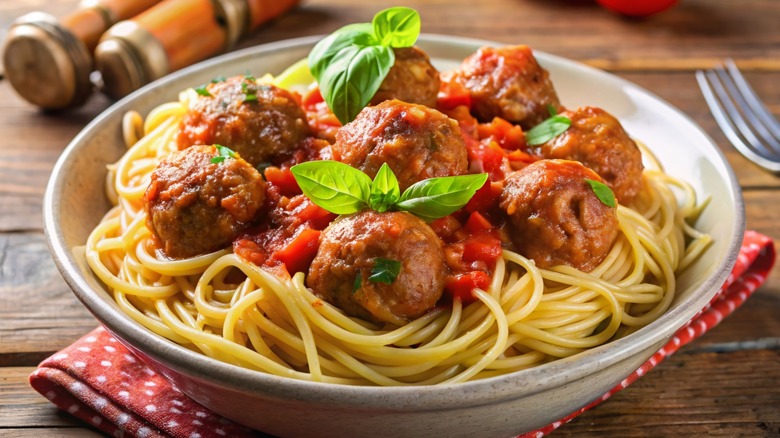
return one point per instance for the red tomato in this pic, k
(299, 251)
(283, 179)
(462, 286)
(637, 8)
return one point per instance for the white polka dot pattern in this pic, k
(99, 381)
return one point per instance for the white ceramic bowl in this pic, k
(501, 406)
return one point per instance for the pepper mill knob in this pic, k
(46, 63)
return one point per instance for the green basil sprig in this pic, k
(223, 153)
(603, 192)
(342, 189)
(548, 129)
(351, 63)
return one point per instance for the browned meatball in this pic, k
(597, 140)
(555, 216)
(507, 82)
(412, 79)
(195, 206)
(417, 142)
(349, 249)
(258, 121)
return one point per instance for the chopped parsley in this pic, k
(223, 154)
(203, 91)
(385, 270)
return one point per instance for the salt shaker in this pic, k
(49, 62)
(173, 35)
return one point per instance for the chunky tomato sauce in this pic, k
(473, 237)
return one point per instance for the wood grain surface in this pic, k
(724, 384)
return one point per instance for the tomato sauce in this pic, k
(288, 238)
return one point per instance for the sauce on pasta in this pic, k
(221, 253)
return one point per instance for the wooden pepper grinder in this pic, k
(173, 35)
(48, 62)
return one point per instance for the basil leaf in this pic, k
(357, 283)
(397, 27)
(437, 197)
(351, 63)
(603, 192)
(203, 91)
(336, 187)
(218, 79)
(352, 78)
(385, 190)
(385, 270)
(551, 109)
(223, 153)
(547, 130)
(326, 50)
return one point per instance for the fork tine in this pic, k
(736, 117)
(727, 126)
(742, 105)
(753, 101)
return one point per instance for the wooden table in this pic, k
(726, 383)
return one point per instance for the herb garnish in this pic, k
(351, 63)
(548, 129)
(603, 192)
(385, 191)
(248, 95)
(342, 189)
(356, 284)
(202, 91)
(385, 270)
(224, 153)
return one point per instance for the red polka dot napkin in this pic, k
(99, 381)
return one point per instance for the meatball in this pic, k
(412, 79)
(597, 140)
(507, 82)
(349, 250)
(259, 121)
(556, 218)
(417, 142)
(195, 206)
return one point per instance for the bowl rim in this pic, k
(418, 398)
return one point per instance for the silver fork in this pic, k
(745, 120)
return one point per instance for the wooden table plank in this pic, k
(38, 312)
(694, 34)
(741, 355)
(22, 407)
(693, 394)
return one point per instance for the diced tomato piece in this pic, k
(312, 98)
(519, 156)
(483, 248)
(477, 222)
(507, 135)
(462, 286)
(452, 94)
(299, 252)
(283, 179)
(311, 213)
(485, 198)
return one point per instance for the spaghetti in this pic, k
(258, 320)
